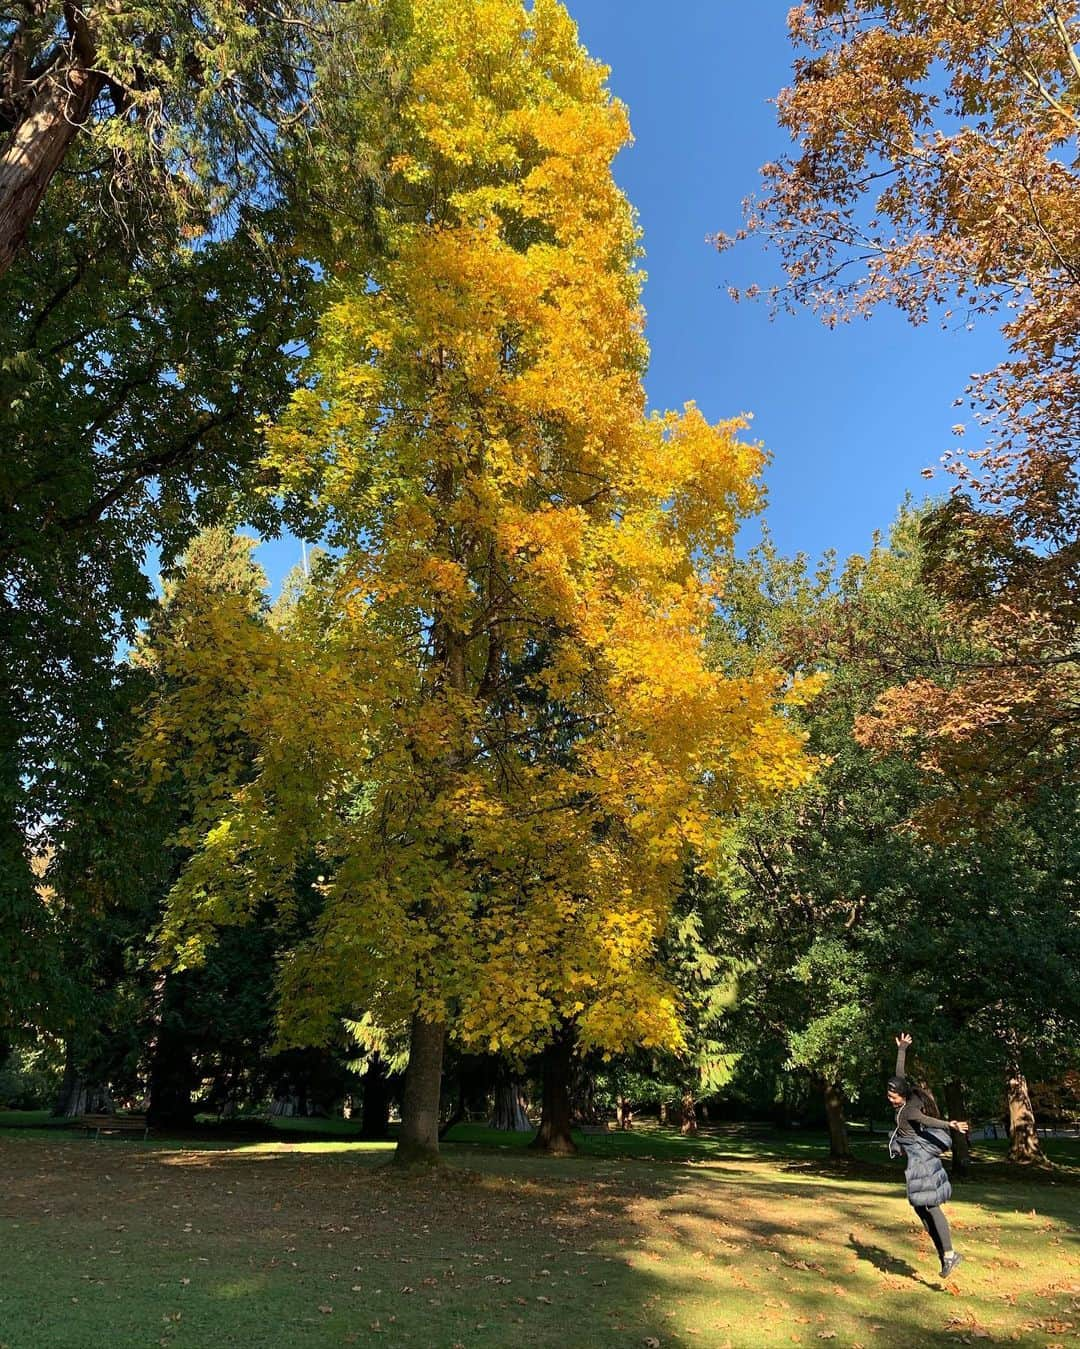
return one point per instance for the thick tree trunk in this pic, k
(71, 1088)
(375, 1122)
(1023, 1137)
(173, 1078)
(36, 149)
(78, 1095)
(554, 1135)
(509, 1114)
(834, 1116)
(418, 1141)
(961, 1148)
(71, 1099)
(688, 1111)
(171, 1086)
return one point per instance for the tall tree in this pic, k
(851, 921)
(933, 169)
(130, 410)
(124, 1024)
(474, 438)
(141, 347)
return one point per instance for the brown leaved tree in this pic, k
(934, 168)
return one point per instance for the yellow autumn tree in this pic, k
(491, 713)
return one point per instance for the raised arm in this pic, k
(912, 1112)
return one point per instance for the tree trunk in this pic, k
(71, 1098)
(418, 1141)
(78, 1095)
(36, 149)
(554, 1135)
(961, 1148)
(509, 1114)
(1023, 1137)
(375, 1119)
(688, 1111)
(171, 1085)
(172, 1072)
(583, 1107)
(71, 1088)
(834, 1116)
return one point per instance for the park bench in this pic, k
(113, 1124)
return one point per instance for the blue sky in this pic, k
(851, 416)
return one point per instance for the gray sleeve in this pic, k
(916, 1116)
(901, 1056)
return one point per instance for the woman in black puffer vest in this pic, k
(920, 1138)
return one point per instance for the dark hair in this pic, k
(926, 1101)
(923, 1096)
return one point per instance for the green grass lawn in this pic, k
(738, 1237)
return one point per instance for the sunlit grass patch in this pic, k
(313, 1242)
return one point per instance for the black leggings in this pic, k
(937, 1225)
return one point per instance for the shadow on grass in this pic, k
(883, 1260)
(715, 1243)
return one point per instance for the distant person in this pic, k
(920, 1138)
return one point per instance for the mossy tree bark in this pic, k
(418, 1141)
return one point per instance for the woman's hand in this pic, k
(960, 1125)
(903, 1040)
